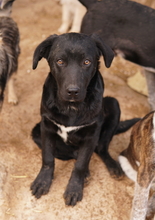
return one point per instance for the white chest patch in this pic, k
(63, 131)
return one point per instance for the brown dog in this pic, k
(138, 163)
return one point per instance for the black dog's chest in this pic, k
(64, 132)
(73, 134)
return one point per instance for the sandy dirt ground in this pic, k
(20, 160)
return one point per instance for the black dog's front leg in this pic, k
(43, 181)
(74, 190)
(112, 118)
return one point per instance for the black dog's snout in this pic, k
(73, 92)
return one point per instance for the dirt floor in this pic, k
(20, 160)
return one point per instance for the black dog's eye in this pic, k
(60, 62)
(87, 62)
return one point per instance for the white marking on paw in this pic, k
(127, 168)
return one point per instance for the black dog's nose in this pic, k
(73, 92)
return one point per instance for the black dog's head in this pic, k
(73, 60)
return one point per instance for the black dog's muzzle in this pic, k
(73, 93)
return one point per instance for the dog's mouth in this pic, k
(75, 99)
(72, 101)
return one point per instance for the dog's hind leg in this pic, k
(150, 80)
(66, 19)
(36, 135)
(78, 16)
(151, 204)
(140, 202)
(12, 97)
(143, 184)
(112, 116)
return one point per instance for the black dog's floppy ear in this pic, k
(106, 51)
(43, 50)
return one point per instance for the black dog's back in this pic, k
(119, 23)
(87, 3)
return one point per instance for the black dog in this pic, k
(76, 119)
(9, 51)
(129, 29)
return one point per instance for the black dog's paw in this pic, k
(41, 184)
(115, 170)
(113, 166)
(72, 196)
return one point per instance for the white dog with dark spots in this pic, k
(138, 163)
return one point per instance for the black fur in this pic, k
(128, 28)
(73, 96)
(123, 25)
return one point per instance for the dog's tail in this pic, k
(87, 3)
(36, 135)
(125, 125)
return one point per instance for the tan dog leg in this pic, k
(66, 19)
(77, 20)
(140, 201)
(12, 98)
